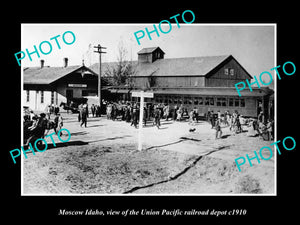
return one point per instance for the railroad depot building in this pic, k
(204, 82)
(47, 85)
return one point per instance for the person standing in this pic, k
(191, 117)
(56, 110)
(261, 117)
(270, 125)
(108, 111)
(218, 128)
(134, 116)
(87, 110)
(238, 124)
(48, 111)
(58, 123)
(212, 119)
(97, 110)
(195, 114)
(145, 115)
(127, 113)
(175, 112)
(157, 115)
(93, 109)
(84, 116)
(80, 108)
(219, 114)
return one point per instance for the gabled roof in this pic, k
(189, 66)
(148, 50)
(47, 75)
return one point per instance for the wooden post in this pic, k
(141, 95)
(99, 48)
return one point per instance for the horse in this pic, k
(42, 130)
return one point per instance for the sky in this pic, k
(253, 45)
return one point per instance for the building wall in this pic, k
(227, 75)
(245, 106)
(175, 81)
(79, 91)
(145, 58)
(151, 56)
(35, 99)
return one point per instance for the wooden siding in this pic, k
(144, 58)
(151, 56)
(219, 78)
(169, 81)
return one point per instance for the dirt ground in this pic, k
(103, 159)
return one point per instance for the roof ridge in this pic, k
(200, 56)
(62, 67)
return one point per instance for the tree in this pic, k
(121, 71)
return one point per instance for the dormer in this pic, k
(149, 55)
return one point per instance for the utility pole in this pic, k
(99, 48)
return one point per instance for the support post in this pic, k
(99, 48)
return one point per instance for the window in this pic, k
(224, 102)
(231, 72)
(206, 101)
(27, 96)
(187, 100)
(242, 103)
(209, 101)
(200, 101)
(230, 102)
(236, 102)
(170, 100)
(196, 101)
(226, 71)
(42, 96)
(166, 99)
(221, 102)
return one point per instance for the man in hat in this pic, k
(83, 116)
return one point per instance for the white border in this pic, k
(139, 24)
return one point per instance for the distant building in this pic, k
(46, 85)
(204, 82)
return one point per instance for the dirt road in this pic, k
(103, 159)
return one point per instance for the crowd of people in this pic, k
(38, 125)
(153, 113)
(257, 127)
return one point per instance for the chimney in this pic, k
(65, 62)
(42, 63)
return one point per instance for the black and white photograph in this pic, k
(149, 112)
(139, 109)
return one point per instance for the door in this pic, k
(69, 95)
